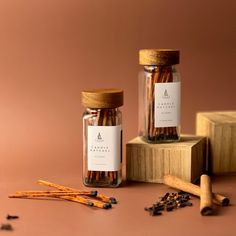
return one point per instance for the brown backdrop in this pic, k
(51, 50)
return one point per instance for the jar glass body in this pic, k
(159, 104)
(102, 147)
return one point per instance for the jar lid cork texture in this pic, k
(158, 57)
(103, 98)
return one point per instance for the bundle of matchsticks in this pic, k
(103, 117)
(160, 74)
(90, 198)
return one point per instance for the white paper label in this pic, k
(104, 148)
(167, 104)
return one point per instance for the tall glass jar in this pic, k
(102, 137)
(159, 95)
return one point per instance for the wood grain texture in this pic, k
(220, 130)
(150, 162)
(158, 57)
(102, 98)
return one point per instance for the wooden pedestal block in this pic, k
(150, 162)
(220, 129)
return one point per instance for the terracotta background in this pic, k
(50, 50)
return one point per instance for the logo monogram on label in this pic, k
(101, 146)
(166, 95)
(99, 138)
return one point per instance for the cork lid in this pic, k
(158, 57)
(102, 98)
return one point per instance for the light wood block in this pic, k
(150, 162)
(220, 129)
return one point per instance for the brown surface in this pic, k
(52, 50)
(40, 217)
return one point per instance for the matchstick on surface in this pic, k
(90, 198)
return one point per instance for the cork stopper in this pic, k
(102, 98)
(159, 57)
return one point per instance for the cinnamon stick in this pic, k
(177, 183)
(206, 196)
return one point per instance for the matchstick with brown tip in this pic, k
(104, 198)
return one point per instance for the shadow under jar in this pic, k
(102, 137)
(159, 96)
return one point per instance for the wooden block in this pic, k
(220, 129)
(150, 162)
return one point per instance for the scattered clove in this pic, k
(12, 217)
(169, 202)
(7, 227)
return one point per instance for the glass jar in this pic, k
(102, 137)
(159, 96)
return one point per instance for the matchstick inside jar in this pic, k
(159, 95)
(102, 137)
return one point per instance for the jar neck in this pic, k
(152, 68)
(94, 110)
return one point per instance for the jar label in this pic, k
(104, 148)
(167, 104)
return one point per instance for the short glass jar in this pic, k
(102, 137)
(159, 96)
